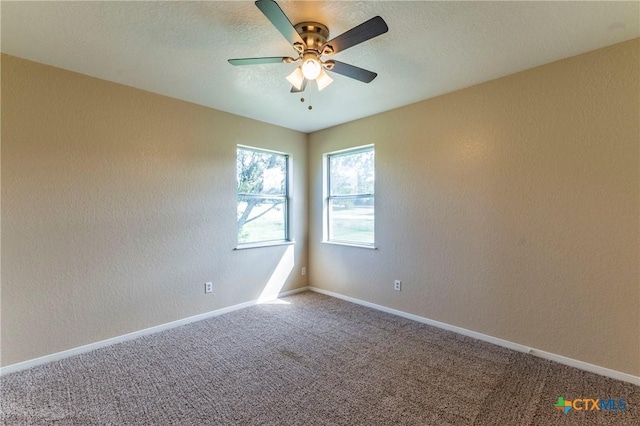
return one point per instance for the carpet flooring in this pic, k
(310, 360)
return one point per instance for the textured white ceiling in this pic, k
(180, 49)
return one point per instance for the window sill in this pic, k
(265, 244)
(364, 246)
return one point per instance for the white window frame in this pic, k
(286, 202)
(328, 197)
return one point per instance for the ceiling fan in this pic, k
(309, 39)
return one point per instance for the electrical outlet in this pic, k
(208, 287)
(304, 271)
(397, 285)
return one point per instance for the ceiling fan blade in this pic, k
(279, 20)
(356, 35)
(357, 73)
(257, 61)
(304, 86)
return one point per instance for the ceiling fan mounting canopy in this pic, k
(309, 39)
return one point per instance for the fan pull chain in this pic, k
(302, 100)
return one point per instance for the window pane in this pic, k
(351, 220)
(262, 196)
(260, 172)
(352, 173)
(261, 219)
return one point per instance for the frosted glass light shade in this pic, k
(323, 80)
(296, 78)
(311, 68)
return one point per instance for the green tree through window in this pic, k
(262, 196)
(351, 196)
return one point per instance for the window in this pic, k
(263, 196)
(350, 196)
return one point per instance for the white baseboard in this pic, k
(294, 291)
(130, 336)
(486, 338)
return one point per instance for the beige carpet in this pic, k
(314, 361)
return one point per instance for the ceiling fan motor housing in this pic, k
(314, 35)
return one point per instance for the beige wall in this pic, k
(118, 205)
(510, 208)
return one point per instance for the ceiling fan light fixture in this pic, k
(296, 78)
(309, 39)
(311, 67)
(323, 80)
